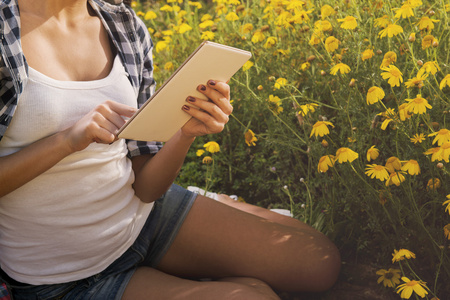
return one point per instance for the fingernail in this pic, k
(186, 107)
(190, 99)
(212, 82)
(202, 87)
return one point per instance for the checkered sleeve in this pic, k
(147, 87)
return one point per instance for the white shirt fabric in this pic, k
(74, 220)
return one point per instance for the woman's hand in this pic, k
(100, 125)
(211, 116)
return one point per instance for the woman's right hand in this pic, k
(100, 125)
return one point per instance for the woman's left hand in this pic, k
(211, 116)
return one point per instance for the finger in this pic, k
(217, 97)
(210, 108)
(103, 126)
(211, 123)
(221, 87)
(113, 112)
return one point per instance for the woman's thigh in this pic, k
(148, 283)
(217, 240)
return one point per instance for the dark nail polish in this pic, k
(186, 107)
(203, 88)
(190, 99)
(212, 82)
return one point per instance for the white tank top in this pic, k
(74, 220)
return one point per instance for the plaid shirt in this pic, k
(128, 34)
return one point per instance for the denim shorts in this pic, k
(157, 235)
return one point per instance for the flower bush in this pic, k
(339, 116)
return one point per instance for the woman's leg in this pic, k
(217, 241)
(148, 284)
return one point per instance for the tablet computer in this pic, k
(162, 116)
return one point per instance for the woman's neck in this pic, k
(65, 12)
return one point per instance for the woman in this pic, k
(86, 216)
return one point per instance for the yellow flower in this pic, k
(348, 22)
(275, 104)
(250, 138)
(442, 136)
(447, 232)
(246, 28)
(433, 184)
(196, 4)
(200, 152)
(429, 67)
(412, 167)
(212, 147)
(418, 105)
(389, 58)
(367, 54)
(416, 81)
(418, 138)
(445, 81)
(426, 23)
(447, 202)
(414, 3)
(167, 32)
(206, 17)
(395, 178)
(150, 15)
(184, 28)
(160, 46)
(232, 16)
(340, 67)
(166, 8)
(327, 11)
(325, 162)
(323, 25)
(168, 66)
(377, 171)
(382, 21)
(412, 37)
(307, 108)
(428, 41)
(374, 94)
(316, 37)
(435, 153)
(221, 9)
(404, 12)
(271, 40)
(444, 152)
(346, 154)
(403, 112)
(320, 128)
(390, 278)
(247, 65)
(258, 36)
(392, 164)
(393, 75)
(208, 35)
(206, 24)
(405, 290)
(401, 255)
(280, 82)
(390, 30)
(207, 160)
(372, 153)
(331, 44)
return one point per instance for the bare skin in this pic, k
(247, 248)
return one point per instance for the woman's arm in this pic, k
(155, 174)
(100, 125)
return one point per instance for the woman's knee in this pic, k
(250, 288)
(316, 268)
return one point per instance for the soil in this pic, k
(356, 282)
